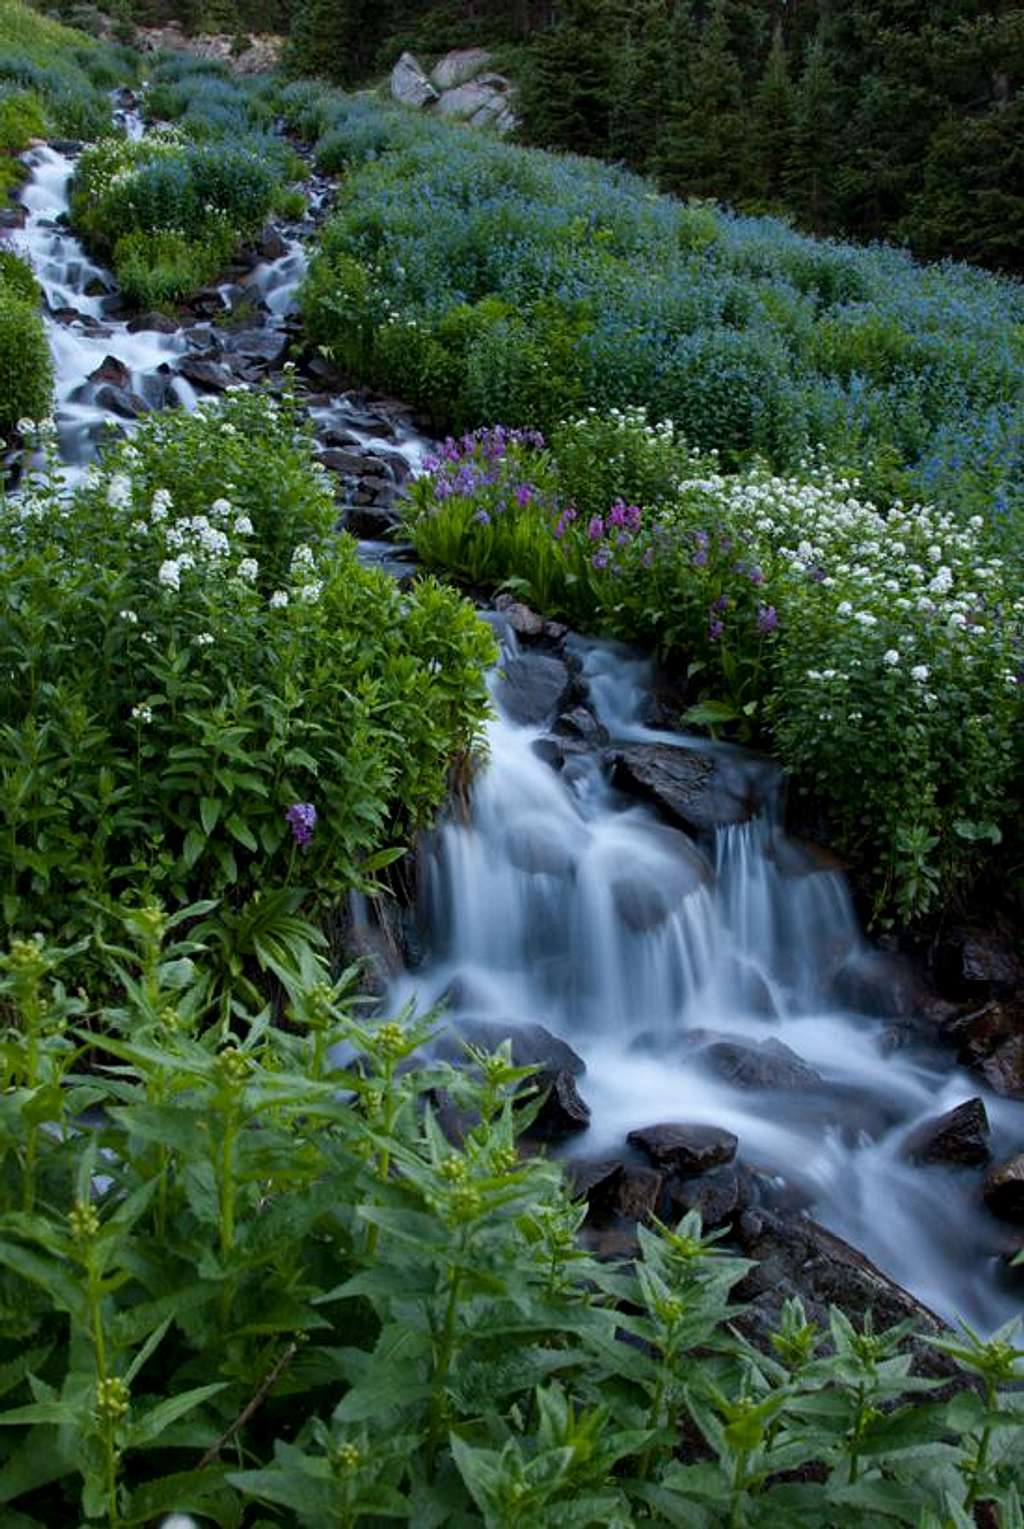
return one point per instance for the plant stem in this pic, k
(445, 1355)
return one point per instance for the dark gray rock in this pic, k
(262, 345)
(410, 84)
(582, 724)
(685, 1149)
(112, 370)
(159, 323)
(119, 401)
(347, 463)
(368, 522)
(696, 790)
(523, 621)
(717, 1197)
(979, 963)
(1004, 1189)
(208, 375)
(563, 1111)
(533, 687)
(769, 1064)
(532, 1045)
(272, 246)
(958, 1136)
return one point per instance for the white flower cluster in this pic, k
(917, 587)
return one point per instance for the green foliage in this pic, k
(199, 651)
(25, 363)
(241, 1277)
(16, 278)
(21, 119)
(157, 270)
(171, 213)
(877, 653)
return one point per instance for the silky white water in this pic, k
(560, 902)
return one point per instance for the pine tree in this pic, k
(811, 166)
(706, 144)
(640, 70)
(773, 119)
(564, 93)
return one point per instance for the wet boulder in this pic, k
(119, 401)
(533, 688)
(261, 346)
(1004, 1189)
(991, 1042)
(696, 790)
(882, 984)
(581, 724)
(112, 370)
(979, 963)
(533, 847)
(272, 245)
(210, 376)
(769, 1064)
(158, 323)
(525, 622)
(717, 1196)
(563, 1111)
(368, 522)
(684, 1149)
(959, 1136)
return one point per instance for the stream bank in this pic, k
(622, 900)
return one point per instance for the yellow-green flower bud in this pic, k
(112, 1396)
(83, 1222)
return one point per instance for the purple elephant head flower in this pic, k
(301, 819)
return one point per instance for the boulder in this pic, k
(685, 1149)
(272, 245)
(717, 1196)
(523, 621)
(647, 891)
(159, 323)
(979, 963)
(348, 463)
(1004, 1189)
(533, 687)
(563, 1111)
(208, 375)
(580, 723)
(532, 847)
(693, 789)
(112, 370)
(991, 1043)
(769, 1064)
(262, 345)
(532, 1045)
(368, 522)
(474, 102)
(410, 85)
(119, 401)
(459, 66)
(958, 1136)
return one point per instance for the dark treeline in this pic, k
(884, 119)
(876, 118)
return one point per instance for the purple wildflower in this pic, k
(756, 576)
(699, 558)
(482, 518)
(524, 495)
(721, 604)
(715, 629)
(617, 514)
(595, 530)
(648, 558)
(301, 819)
(602, 557)
(767, 619)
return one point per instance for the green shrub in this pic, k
(251, 1281)
(158, 270)
(17, 279)
(25, 364)
(206, 653)
(878, 653)
(22, 118)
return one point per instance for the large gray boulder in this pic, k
(458, 67)
(409, 83)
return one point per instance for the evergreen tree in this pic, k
(706, 143)
(640, 70)
(773, 119)
(565, 90)
(813, 150)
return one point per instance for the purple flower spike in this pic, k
(482, 518)
(595, 530)
(301, 819)
(601, 558)
(767, 619)
(715, 629)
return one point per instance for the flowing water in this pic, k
(558, 901)
(561, 902)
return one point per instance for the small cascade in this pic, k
(661, 959)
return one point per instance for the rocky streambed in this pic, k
(711, 1028)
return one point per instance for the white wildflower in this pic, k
(920, 673)
(142, 713)
(248, 568)
(890, 657)
(129, 616)
(279, 599)
(243, 525)
(119, 491)
(170, 574)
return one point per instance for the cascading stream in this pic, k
(560, 902)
